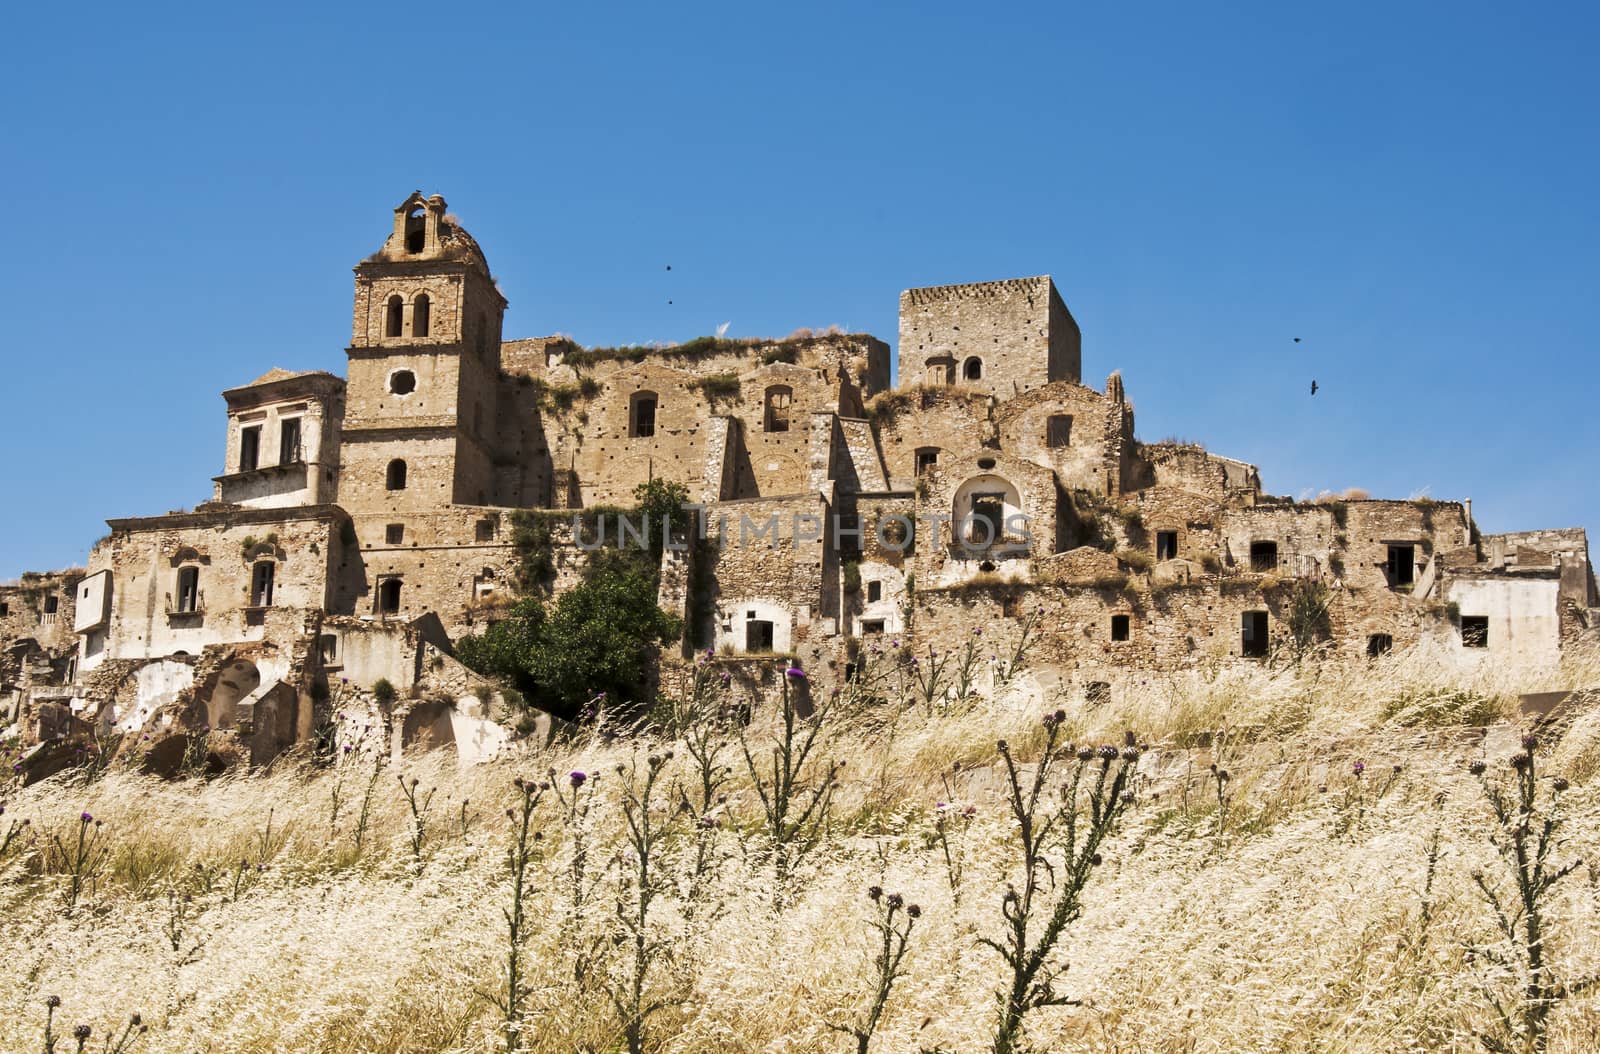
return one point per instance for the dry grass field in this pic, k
(1297, 905)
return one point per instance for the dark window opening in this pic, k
(927, 457)
(988, 509)
(402, 382)
(1058, 430)
(758, 635)
(1474, 631)
(1097, 693)
(1379, 644)
(289, 450)
(330, 647)
(261, 583)
(874, 592)
(416, 231)
(249, 448)
(52, 604)
(421, 310)
(395, 478)
(1263, 556)
(394, 316)
(1401, 566)
(972, 369)
(1119, 627)
(188, 589)
(394, 533)
(1166, 545)
(777, 415)
(642, 420)
(389, 596)
(1010, 607)
(1253, 635)
(872, 628)
(484, 531)
(5, 609)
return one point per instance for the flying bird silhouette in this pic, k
(1313, 387)
(1296, 340)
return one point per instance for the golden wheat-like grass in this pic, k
(1294, 928)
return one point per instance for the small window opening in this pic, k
(1474, 631)
(758, 635)
(261, 582)
(642, 419)
(1119, 627)
(188, 589)
(1166, 545)
(289, 449)
(874, 592)
(972, 369)
(1058, 430)
(927, 457)
(1263, 556)
(1010, 607)
(989, 509)
(484, 531)
(1253, 635)
(396, 476)
(416, 231)
(1401, 566)
(1379, 644)
(389, 596)
(249, 448)
(1097, 693)
(52, 604)
(394, 533)
(5, 609)
(402, 382)
(394, 316)
(330, 647)
(872, 628)
(420, 315)
(777, 415)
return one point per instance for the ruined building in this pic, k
(359, 525)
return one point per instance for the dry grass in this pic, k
(1293, 927)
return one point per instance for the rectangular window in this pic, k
(1119, 627)
(1253, 635)
(389, 596)
(1263, 556)
(758, 635)
(249, 448)
(394, 533)
(261, 583)
(1379, 644)
(188, 589)
(1401, 566)
(926, 459)
(1010, 607)
(872, 628)
(990, 510)
(52, 603)
(289, 452)
(5, 609)
(1474, 631)
(1166, 545)
(330, 647)
(484, 531)
(1058, 430)
(874, 592)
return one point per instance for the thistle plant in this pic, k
(80, 855)
(796, 790)
(1010, 663)
(950, 827)
(1059, 838)
(927, 677)
(13, 830)
(519, 857)
(892, 926)
(706, 737)
(1525, 837)
(648, 821)
(419, 803)
(1360, 793)
(967, 664)
(576, 801)
(81, 1034)
(364, 818)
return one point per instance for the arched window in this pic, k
(777, 415)
(188, 595)
(396, 479)
(420, 310)
(394, 316)
(972, 369)
(416, 230)
(389, 596)
(642, 414)
(940, 371)
(262, 579)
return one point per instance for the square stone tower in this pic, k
(1000, 337)
(424, 366)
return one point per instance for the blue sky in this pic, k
(1410, 189)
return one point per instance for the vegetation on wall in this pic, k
(719, 387)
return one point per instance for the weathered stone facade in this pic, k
(360, 525)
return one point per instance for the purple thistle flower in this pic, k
(795, 672)
(578, 779)
(1359, 767)
(85, 817)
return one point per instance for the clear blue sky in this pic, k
(1410, 189)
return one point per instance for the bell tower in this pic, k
(424, 361)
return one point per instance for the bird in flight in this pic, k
(1296, 340)
(1313, 387)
